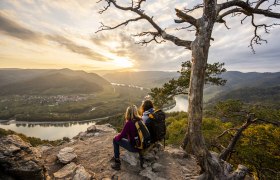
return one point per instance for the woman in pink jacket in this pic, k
(126, 138)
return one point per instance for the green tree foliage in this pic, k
(259, 149)
(176, 127)
(259, 146)
(179, 86)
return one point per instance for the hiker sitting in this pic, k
(154, 120)
(126, 138)
(147, 108)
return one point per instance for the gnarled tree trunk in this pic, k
(200, 48)
(211, 169)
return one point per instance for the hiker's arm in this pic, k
(123, 134)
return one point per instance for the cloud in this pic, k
(12, 28)
(154, 56)
(72, 32)
(72, 46)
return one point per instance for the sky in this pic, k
(49, 34)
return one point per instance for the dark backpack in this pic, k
(157, 126)
(143, 138)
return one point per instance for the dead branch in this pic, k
(137, 9)
(226, 152)
(257, 39)
(186, 27)
(154, 36)
(194, 8)
(259, 3)
(226, 131)
(248, 8)
(231, 11)
(103, 27)
(186, 18)
(269, 122)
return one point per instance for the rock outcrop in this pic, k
(19, 159)
(72, 171)
(66, 155)
(91, 152)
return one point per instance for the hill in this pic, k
(245, 86)
(49, 82)
(146, 79)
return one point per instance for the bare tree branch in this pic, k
(137, 9)
(194, 8)
(186, 28)
(186, 18)
(231, 11)
(226, 152)
(257, 39)
(103, 27)
(259, 3)
(269, 122)
(226, 131)
(246, 7)
(154, 37)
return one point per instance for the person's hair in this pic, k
(146, 105)
(132, 113)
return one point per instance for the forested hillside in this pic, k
(245, 86)
(49, 82)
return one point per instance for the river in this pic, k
(181, 104)
(58, 130)
(49, 131)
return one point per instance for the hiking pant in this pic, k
(123, 143)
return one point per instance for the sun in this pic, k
(123, 62)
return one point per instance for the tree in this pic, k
(180, 86)
(212, 12)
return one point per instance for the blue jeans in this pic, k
(123, 143)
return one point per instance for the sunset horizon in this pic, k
(47, 35)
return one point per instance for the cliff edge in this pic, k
(88, 156)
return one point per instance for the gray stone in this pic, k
(177, 153)
(19, 158)
(90, 134)
(157, 167)
(73, 172)
(148, 173)
(66, 172)
(66, 155)
(45, 148)
(91, 129)
(96, 134)
(130, 158)
(81, 174)
(150, 156)
(80, 135)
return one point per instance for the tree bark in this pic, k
(210, 166)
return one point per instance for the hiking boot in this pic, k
(112, 159)
(116, 164)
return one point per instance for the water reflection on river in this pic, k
(50, 131)
(181, 104)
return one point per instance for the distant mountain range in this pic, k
(249, 87)
(252, 86)
(146, 79)
(49, 82)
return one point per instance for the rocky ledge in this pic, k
(20, 159)
(88, 156)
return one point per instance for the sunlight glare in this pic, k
(123, 62)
